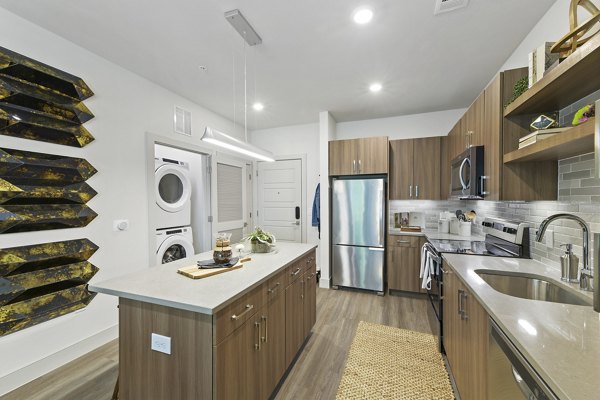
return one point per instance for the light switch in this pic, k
(161, 343)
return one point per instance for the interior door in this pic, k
(230, 202)
(279, 195)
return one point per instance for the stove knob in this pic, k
(512, 231)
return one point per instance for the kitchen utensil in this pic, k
(470, 215)
(460, 215)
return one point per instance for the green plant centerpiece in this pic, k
(261, 241)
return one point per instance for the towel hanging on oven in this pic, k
(427, 268)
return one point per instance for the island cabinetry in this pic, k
(240, 351)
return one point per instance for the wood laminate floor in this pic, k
(315, 374)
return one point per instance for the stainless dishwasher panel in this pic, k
(358, 267)
(510, 375)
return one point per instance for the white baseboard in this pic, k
(325, 283)
(41, 367)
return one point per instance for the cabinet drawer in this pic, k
(275, 286)
(296, 270)
(403, 241)
(234, 315)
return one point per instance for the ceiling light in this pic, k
(375, 87)
(230, 143)
(258, 106)
(362, 16)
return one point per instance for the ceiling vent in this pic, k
(183, 121)
(443, 6)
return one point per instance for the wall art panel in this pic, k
(44, 281)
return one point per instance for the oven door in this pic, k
(434, 294)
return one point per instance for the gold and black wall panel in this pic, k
(43, 281)
(39, 102)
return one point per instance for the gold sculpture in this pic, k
(579, 33)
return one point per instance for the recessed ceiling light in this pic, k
(375, 87)
(362, 16)
(258, 106)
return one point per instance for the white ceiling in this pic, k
(313, 57)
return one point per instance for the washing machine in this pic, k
(174, 244)
(173, 192)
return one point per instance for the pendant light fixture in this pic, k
(217, 138)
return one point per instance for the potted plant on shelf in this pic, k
(261, 241)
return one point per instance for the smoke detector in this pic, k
(443, 6)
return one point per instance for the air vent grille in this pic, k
(443, 6)
(183, 121)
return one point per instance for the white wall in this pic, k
(296, 140)
(402, 127)
(553, 25)
(125, 106)
(201, 192)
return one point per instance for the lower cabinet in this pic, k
(294, 318)
(272, 361)
(465, 338)
(404, 263)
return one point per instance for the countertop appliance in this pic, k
(502, 239)
(358, 232)
(467, 176)
(510, 375)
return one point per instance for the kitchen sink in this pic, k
(530, 287)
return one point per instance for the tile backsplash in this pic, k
(579, 195)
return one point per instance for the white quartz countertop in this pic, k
(164, 286)
(435, 235)
(560, 341)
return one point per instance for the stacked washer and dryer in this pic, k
(173, 210)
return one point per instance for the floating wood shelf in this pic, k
(574, 78)
(572, 142)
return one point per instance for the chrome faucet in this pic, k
(586, 281)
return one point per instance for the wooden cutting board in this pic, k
(194, 272)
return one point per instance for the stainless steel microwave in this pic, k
(467, 175)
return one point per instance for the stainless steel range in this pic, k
(502, 239)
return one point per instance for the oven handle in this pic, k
(432, 253)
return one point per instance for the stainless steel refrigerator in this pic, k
(357, 233)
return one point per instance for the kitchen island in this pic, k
(228, 336)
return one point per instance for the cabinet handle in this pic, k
(464, 311)
(302, 295)
(274, 288)
(410, 191)
(257, 345)
(248, 308)
(402, 242)
(359, 166)
(295, 272)
(353, 166)
(417, 191)
(266, 337)
(460, 310)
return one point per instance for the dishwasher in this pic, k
(510, 375)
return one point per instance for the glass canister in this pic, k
(222, 252)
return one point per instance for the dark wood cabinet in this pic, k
(365, 156)
(404, 263)
(272, 353)
(415, 169)
(237, 363)
(465, 338)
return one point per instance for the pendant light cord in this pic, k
(245, 97)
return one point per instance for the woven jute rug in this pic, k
(391, 363)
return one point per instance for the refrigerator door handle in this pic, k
(376, 249)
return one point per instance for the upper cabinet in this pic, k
(365, 156)
(415, 169)
(483, 125)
